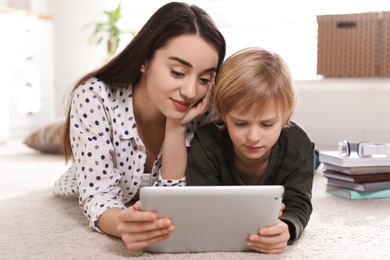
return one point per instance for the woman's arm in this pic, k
(174, 159)
(100, 166)
(91, 140)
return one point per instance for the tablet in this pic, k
(212, 218)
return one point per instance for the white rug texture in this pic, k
(36, 225)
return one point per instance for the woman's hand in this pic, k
(200, 107)
(174, 161)
(139, 229)
(270, 240)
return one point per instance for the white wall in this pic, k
(332, 110)
(74, 57)
(27, 63)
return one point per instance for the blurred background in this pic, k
(46, 47)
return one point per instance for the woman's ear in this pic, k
(143, 68)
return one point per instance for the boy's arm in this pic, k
(298, 208)
(297, 197)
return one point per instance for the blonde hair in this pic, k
(254, 76)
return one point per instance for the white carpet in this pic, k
(36, 225)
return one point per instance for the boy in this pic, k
(255, 143)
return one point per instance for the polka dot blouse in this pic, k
(109, 154)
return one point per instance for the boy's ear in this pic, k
(286, 121)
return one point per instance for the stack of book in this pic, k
(356, 177)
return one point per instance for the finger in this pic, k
(267, 250)
(256, 239)
(278, 228)
(148, 234)
(137, 205)
(269, 241)
(200, 107)
(134, 214)
(135, 245)
(211, 86)
(282, 207)
(203, 104)
(144, 226)
(266, 244)
(213, 76)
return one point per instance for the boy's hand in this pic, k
(282, 207)
(270, 240)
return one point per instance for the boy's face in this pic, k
(254, 132)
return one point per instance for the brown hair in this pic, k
(254, 75)
(170, 21)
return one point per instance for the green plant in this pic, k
(108, 30)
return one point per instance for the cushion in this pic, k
(47, 139)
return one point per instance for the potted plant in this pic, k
(108, 30)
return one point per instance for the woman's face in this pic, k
(179, 74)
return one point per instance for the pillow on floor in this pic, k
(47, 139)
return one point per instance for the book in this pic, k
(358, 195)
(365, 186)
(357, 178)
(333, 157)
(357, 170)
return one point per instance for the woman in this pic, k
(155, 91)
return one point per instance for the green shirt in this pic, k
(211, 162)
